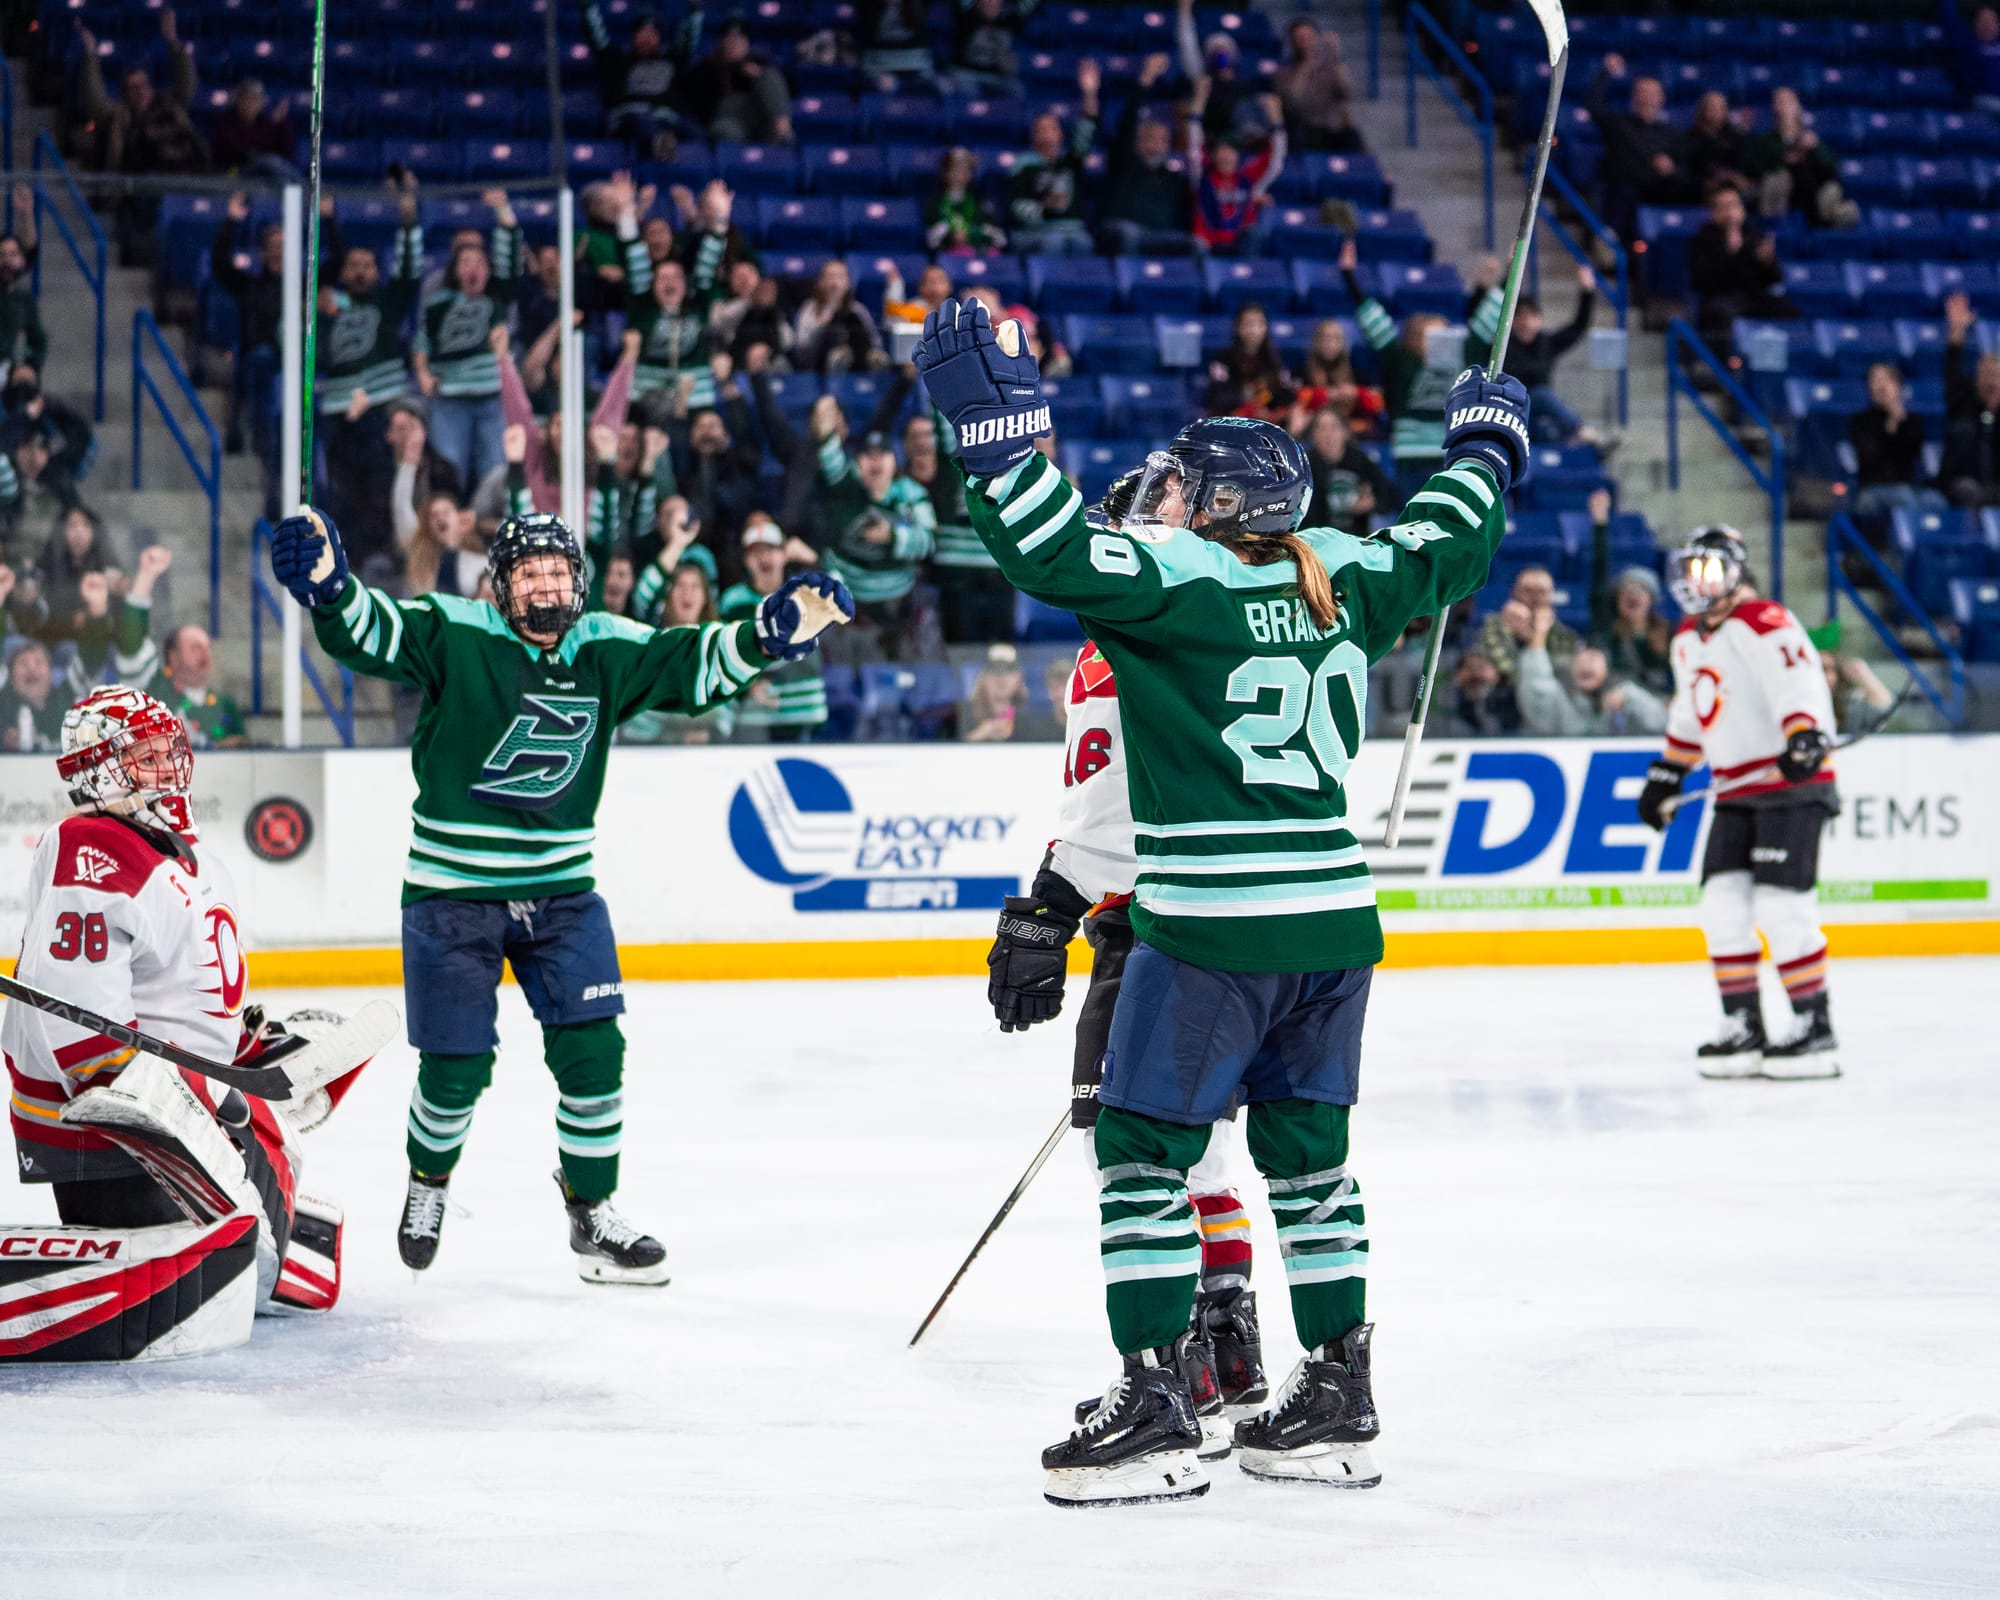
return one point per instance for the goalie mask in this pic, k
(1225, 476)
(126, 754)
(1711, 566)
(519, 539)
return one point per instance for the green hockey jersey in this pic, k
(1242, 717)
(510, 745)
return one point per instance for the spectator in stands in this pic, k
(1530, 606)
(1148, 207)
(1733, 268)
(1416, 374)
(446, 554)
(406, 475)
(538, 296)
(1217, 59)
(259, 293)
(1627, 625)
(22, 337)
(1481, 706)
(78, 546)
(1715, 148)
(975, 602)
(621, 577)
(1794, 171)
(1247, 378)
(1316, 90)
(1326, 379)
(635, 477)
(709, 242)
(31, 711)
(1859, 697)
(985, 41)
(880, 526)
(454, 357)
(144, 132)
(833, 331)
(717, 466)
(1533, 350)
(63, 430)
(1645, 155)
(1350, 488)
(1888, 441)
(1585, 700)
(638, 85)
(676, 538)
(901, 309)
(1978, 47)
(688, 599)
(185, 683)
(673, 345)
(760, 324)
(32, 495)
(894, 36)
(789, 701)
(1970, 470)
(1045, 189)
(993, 706)
(957, 221)
(738, 93)
(611, 254)
(1232, 177)
(253, 138)
(1050, 354)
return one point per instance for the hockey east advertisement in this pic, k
(808, 843)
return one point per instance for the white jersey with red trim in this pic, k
(132, 931)
(1741, 690)
(1096, 850)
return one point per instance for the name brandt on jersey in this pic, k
(1281, 622)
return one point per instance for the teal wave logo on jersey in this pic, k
(541, 753)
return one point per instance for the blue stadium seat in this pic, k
(1319, 290)
(1889, 133)
(1536, 538)
(798, 222)
(1186, 341)
(1408, 287)
(1876, 180)
(1966, 133)
(1563, 479)
(351, 160)
(757, 168)
(1975, 607)
(859, 393)
(1058, 284)
(891, 224)
(506, 161)
(1036, 623)
(1297, 233)
(1092, 466)
(844, 169)
(1109, 343)
(1154, 405)
(999, 124)
(1892, 289)
(794, 393)
(1936, 547)
(912, 169)
(1946, 181)
(1237, 283)
(1665, 232)
(1974, 279)
(1151, 285)
(1848, 349)
(480, 113)
(903, 118)
(1392, 235)
(827, 118)
(796, 267)
(1006, 275)
(1910, 234)
(1077, 407)
(907, 702)
(1820, 288)
(866, 268)
(435, 160)
(592, 160)
(1920, 347)
(383, 113)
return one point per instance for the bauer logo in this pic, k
(797, 824)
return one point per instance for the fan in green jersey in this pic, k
(1241, 641)
(520, 697)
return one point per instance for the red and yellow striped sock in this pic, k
(1805, 978)
(1225, 1242)
(1736, 977)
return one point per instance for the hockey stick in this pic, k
(1000, 1216)
(1555, 32)
(1670, 807)
(312, 259)
(291, 1069)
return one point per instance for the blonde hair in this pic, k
(1315, 587)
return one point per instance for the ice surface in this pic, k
(1639, 1336)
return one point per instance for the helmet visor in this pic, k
(1700, 577)
(1161, 499)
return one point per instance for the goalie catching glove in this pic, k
(986, 384)
(1030, 955)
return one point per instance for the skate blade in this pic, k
(1720, 1069)
(1337, 1466)
(1252, 1404)
(592, 1270)
(1218, 1438)
(1802, 1069)
(1169, 1475)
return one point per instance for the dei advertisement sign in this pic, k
(809, 843)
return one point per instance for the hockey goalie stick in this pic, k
(1000, 1216)
(291, 1069)
(1670, 807)
(1555, 32)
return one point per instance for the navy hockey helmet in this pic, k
(540, 533)
(1248, 475)
(1711, 566)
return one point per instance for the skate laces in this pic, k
(607, 1227)
(1295, 1386)
(1114, 1397)
(425, 1212)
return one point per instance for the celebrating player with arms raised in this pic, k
(1241, 647)
(519, 700)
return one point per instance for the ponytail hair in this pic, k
(1315, 587)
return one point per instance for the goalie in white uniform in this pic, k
(1750, 698)
(181, 1195)
(1087, 879)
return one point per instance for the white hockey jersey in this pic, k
(1096, 850)
(1740, 692)
(133, 932)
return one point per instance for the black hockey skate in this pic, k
(1140, 1445)
(1811, 1052)
(1197, 1359)
(423, 1221)
(609, 1249)
(1737, 1051)
(1321, 1427)
(1229, 1321)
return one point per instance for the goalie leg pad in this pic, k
(309, 1281)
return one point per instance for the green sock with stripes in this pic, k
(441, 1109)
(588, 1060)
(1149, 1235)
(1301, 1148)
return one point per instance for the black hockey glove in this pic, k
(1663, 782)
(1030, 955)
(1805, 753)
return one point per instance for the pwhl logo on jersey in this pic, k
(794, 823)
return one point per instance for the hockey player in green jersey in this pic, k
(520, 697)
(1241, 642)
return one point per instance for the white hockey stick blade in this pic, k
(816, 614)
(1555, 26)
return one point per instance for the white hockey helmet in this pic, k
(126, 753)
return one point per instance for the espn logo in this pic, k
(57, 1247)
(1018, 425)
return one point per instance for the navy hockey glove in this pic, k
(1486, 419)
(1030, 958)
(1663, 782)
(307, 559)
(793, 615)
(986, 384)
(1805, 753)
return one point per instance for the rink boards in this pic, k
(884, 860)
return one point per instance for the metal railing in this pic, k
(90, 263)
(206, 466)
(1843, 539)
(1417, 21)
(266, 600)
(1617, 293)
(1682, 343)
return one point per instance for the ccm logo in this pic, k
(1021, 425)
(59, 1248)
